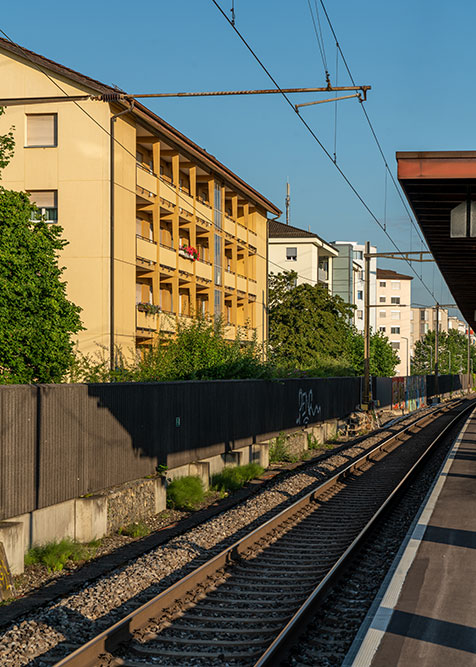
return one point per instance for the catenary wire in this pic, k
(104, 129)
(374, 134)
(209, 220)
(318, 141)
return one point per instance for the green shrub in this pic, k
(185, 493)
(312, 442)
(135, 530)
(55, 555)
(231, 479)
(279, 451)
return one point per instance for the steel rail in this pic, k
(297, 625)
(121, 631)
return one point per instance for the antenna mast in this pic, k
(288, 202)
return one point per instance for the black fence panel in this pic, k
(18, 450)
(62, 441)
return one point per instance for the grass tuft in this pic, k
(185, 493)
(279, 451)
(55, 555)
(232, 479)
(135, 530)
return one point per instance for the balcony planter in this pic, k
(148, 308)
(189, 252)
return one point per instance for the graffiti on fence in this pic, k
(307, 409)
(415, 392)
(398, 393)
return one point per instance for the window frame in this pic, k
(55, 130)
(289, 257)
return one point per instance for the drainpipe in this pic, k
(111, 233)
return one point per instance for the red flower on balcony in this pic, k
(190, 252)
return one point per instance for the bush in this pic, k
(231, 479)
(279, 451)
(55, 555)
(185, 493)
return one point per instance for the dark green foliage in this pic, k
(383, 359)
(452, 354)
(199, 351)
(36, 318)
(310, 330)
(185, 493)
(231, 479)
(55, 555)
(308, 326)
(279, 450)
(7, 145)
(135, 530)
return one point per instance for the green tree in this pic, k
(452, 353)
(36, 319)
(7, 145)
(308, 327)
(383, 358)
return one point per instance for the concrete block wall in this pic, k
(92, 517)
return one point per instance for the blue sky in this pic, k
(417, 57)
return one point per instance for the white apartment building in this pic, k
(349, 279)
(294, 249)
(394, 292)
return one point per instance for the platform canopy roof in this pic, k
(436, 183)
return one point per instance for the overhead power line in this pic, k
(320, 144)
(374, 134)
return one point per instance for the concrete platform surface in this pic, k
(425, 614)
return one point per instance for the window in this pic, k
(218, 205)
(395, 345)
(395, 314)
(395, 330)
(382, 313)
(360, 295)
(218, 271)
(291, 254)
(423, 315)
(382, 329)
(139, 157)
(41, 129)
(217, 302)
(138, 293)
(360, 314)
(395, 300)
(395, 284)
(358, 254)
(382, 283)
(47, 202)
(382, 299)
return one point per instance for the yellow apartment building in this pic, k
(158, 229)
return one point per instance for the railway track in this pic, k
(248, 604)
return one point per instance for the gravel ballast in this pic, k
(80, 616)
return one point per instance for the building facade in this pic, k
(349, 279)
(294, 249)
(158, 229)
(424, 320)
(394, 292)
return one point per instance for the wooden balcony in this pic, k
(146, 249)
(241, 233)
(229, 226)
(203, 270)
(146, 321)
(146, 181)
(168, 257)
(230, 279)
(241, 283)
